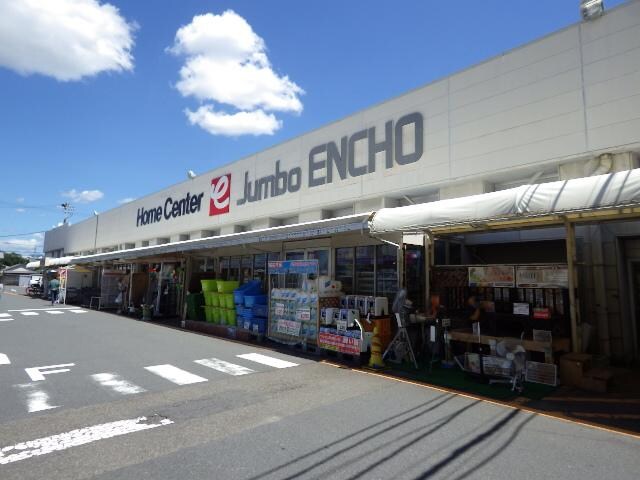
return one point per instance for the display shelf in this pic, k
(294, 310)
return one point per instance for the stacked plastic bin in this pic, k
(226, 310)
(244, 298)
(209, 292)
(257, 312)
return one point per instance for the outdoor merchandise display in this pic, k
(219, 303)
(293, 301)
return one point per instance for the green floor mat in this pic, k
(457, 379)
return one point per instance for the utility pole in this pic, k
(68, 211)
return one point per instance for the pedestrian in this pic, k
(54, 289)
(123, 290)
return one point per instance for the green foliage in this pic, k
(11, 258)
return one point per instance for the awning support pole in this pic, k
(401, 280)
(573, 284)
(427, 272)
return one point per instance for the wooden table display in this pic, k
(557, 345)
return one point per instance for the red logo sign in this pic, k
(220, 195)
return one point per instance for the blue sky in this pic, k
(97, 128)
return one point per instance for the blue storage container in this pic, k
(260, 324)
(260, 311)
(251, 300)
(252, 287)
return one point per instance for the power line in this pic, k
(22, 234)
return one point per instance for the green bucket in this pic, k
(231, 317)
(214, 299)
(228, 301)
(209, 285)
(227, 286)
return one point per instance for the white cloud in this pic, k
(240, 123)
(126, 200)
(20, 210)
(22, 245)
(85, 196)
(226, 62)
(20, 199)
(64, 39)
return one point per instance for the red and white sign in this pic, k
(339, 343)
(220, 195)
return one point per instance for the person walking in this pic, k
(54, 289)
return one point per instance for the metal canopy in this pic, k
(614, 196)
(298, 231)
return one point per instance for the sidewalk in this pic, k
(618, 408)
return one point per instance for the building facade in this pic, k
(564, 106)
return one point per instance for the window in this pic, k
(365, 270)
(386, 271)
(323, 260)
(344, 269)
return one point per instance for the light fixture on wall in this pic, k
(590, 9)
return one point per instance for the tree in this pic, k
(12, 258)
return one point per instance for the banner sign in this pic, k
(542, 277)
(289, 327)
(492, 276)
(293, 266)
(339, 343)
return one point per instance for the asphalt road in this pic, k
(115, 402)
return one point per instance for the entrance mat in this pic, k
(456, 379)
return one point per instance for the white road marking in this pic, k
(4, 359)
(40, 309)
(7, 319)
(74, 438)
(38, 373)
(54, 312)
(78, 311)
(29, 314)
(5, 315)
(264, 359)
(224, 367)
(117, 383)
(37, 400)
(175, 374)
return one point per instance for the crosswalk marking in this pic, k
(266, 360)
(4, 359)
(5, 315)
(78, 311)
(40, 309)
(175, 374)
(9, 319)
(224, 367)
(55, 312)
(117, 383)
(28, 314)
(75, 438)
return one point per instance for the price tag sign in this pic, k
(279, 310)
(303, 314)
(288, 327)
(342, 325)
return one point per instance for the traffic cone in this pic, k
(376, 350)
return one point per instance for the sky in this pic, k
(102, 101)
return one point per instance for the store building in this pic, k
(563, 107)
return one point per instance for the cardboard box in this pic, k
(573, 367)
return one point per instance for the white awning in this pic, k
(552, 201)
(56, 262)
(298, 231)
(32, 265)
